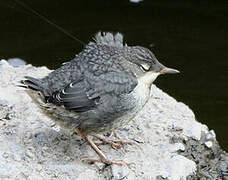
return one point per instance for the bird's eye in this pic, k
(145, 67)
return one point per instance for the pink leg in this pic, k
(103, 158)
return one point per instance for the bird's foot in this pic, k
(116, 144)
(103, 158)
(108, 162)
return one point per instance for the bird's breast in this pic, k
(133, 103)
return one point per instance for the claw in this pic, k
(108, 162)
(115, 144)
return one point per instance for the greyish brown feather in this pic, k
(99, 89)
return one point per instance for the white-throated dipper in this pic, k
(100, 90)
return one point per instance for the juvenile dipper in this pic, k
(100, 90)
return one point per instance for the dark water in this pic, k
(188, 35)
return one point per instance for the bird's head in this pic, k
(149, 64)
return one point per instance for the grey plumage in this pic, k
(99, 89)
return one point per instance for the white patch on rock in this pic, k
(16, 62)
(180, 165)
(209, 144)
(135, 1)
(211, 135)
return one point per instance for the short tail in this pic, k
(32, 83)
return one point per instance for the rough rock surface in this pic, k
(32, 146)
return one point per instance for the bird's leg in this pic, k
(103, 158)
(116, 144)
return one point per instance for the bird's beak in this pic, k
(167, 70)
(161, 69)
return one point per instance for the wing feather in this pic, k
(82, 96)
(104, 73)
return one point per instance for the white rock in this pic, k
(211, 135)
(119, 172)
(16, 62)
(179, 166)
(179, 146)
(135, 1)
(209, 144)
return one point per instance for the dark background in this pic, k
(190, 36)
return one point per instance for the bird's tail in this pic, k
(31, 83)
(34, 89)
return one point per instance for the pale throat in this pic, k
(148, 78)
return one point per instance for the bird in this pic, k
(100, 90)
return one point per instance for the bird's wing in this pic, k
(112, 83)
(85, 94)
